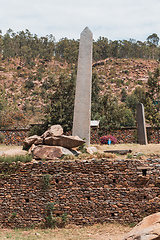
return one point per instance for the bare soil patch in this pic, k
(149, 149)
(101, 232)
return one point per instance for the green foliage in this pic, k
(27, 47)
(37, 130)
(153, 91)
(46, 181)
(95, 100)
(82, 148)
(16, 158)
(123, 95)
(12, 216)
(67, 50)
(152, 84)
(52, 221)
(129, 155)
(126, 117)
(64, 217)
(60, 110)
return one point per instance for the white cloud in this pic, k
(116, 19)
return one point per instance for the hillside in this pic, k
(27, 88)
(116, 74)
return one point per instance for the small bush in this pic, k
(51, 220)
(37, 130)
(104, 139)
(82, 148)
(46, 181)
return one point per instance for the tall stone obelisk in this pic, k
(141, 129)
(82, 106)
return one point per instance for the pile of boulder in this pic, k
(52, 144)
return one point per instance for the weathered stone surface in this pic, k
(148, 229)
(50, 152)
(70, 141)
(38, 141)
(30, 140)
(82, 107)
(55, 130)
(31, 149)
(64, 141)
(52, 141)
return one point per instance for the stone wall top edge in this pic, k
(84, 162)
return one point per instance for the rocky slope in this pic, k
(26, 88)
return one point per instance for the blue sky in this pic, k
(114, 19)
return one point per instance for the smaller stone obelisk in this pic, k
(141, 130)
(82, 106)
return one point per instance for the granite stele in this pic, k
(141, 130)
(82, 106)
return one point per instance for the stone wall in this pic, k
(124, 135)
(89, 191)
(14, 136)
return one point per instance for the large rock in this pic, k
(70, 141)
(55, 130)
(64, 141)
(38, 141)
(52, 141)
(148, 229)
(50, 152)
(30, 140)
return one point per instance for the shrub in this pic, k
(37, 130)
(51, 220)
(46, 181)
(104, 139)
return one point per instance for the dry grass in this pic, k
(136, 148)
(97, 231)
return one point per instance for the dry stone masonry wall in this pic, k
(128, 135)
(89, 191)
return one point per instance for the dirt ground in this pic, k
(153, 149)
(136, 148)
(95, 232)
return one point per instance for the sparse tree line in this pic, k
(27, 47)
(106, 108)
(60, 104)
